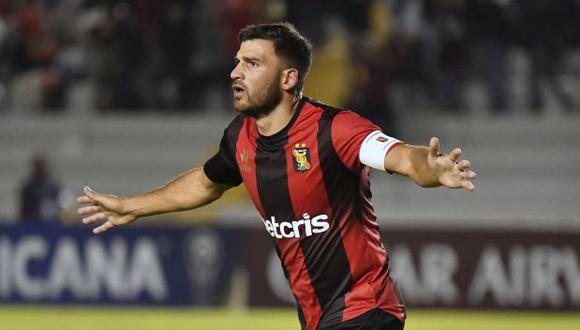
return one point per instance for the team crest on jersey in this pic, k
(301, 157)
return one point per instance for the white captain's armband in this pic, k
(374, 149)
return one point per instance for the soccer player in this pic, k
(305, 166)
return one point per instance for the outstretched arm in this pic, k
(427, 167)
(189, 190)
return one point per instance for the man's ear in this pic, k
(289, 79)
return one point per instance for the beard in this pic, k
(261, 103)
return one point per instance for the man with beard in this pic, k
(305, 166)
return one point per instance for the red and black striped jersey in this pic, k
(313, 195)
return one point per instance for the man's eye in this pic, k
(254, 64)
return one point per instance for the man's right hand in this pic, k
(108, 208)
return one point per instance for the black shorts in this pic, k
(375, 319)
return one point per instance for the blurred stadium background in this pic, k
(124, 95)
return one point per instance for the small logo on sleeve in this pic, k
(301, 157)
(382, 139)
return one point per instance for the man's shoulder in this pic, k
(238, 120)
(338, 116)
(236, 124)
(323, 106)
(333, 111)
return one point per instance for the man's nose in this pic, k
(236, 73)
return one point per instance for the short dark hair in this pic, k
(289, 44)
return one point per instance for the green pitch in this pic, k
(86, 318)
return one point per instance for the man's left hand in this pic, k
(449, 170)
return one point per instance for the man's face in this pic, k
(256, 78)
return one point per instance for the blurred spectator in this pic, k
(5, 40)
(176, 49)
(414, 48)
(330, 78)
(129, 83)
(489, 24)
(211, 59)
(40, 193)
(34, 50)
(234, 15)
(447, 17)
(376, 61)
(135, 55)
(545, 29)
(371, 97)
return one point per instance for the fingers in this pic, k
(95, 217)
(454, 155)
(93, 195)
(84, 200)
(88, 210)
(93, 208)
(434, 147)
(104, 227)
(456, 172)
(463, 165)
(468, 185)
(468, 175)
(90, 197)
(94, 199)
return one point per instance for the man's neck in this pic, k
(278, 118)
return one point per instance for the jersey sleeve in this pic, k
(349, 133)
(222, 167)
